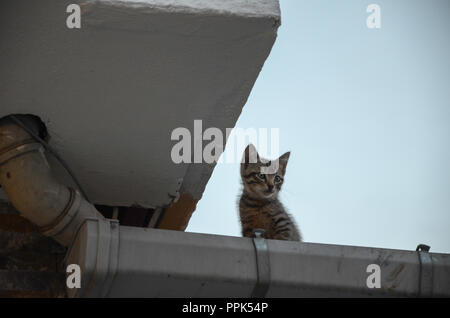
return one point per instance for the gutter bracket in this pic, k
(113, 258)
(425, 271)
(262, 264)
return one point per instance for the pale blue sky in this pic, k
(366, 116)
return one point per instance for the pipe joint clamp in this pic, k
(20, 149)
(66, 216)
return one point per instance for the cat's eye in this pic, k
(277, 179)
(261, 176)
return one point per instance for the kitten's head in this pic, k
(255, 181)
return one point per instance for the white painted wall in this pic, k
(111, 92)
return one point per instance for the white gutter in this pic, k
(120, 261)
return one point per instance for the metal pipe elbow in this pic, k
(26, 177)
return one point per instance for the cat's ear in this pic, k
(250, 156)
(283, 160)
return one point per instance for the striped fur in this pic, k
(259, 206)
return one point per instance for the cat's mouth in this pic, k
(269, 193)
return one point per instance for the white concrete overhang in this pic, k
(111, 93)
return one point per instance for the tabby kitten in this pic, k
(259, 206)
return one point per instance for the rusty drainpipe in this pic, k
(26, 177)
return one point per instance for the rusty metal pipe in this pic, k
(26, 177)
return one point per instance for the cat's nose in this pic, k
(270, 186)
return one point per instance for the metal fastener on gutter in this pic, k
(262, 264)
(426, 271)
